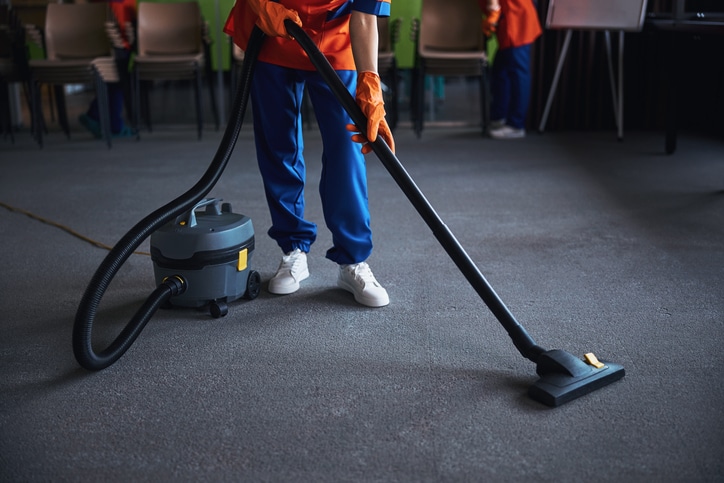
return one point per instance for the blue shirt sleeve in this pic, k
(381, 8)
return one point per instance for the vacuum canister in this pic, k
(210, 248)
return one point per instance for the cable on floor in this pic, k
(64, 228)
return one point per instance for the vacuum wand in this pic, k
(563, 376)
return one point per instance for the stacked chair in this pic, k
(449, 42)
(77, 51)
(172, 45)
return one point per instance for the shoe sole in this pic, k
(507, 136)
(290, 289)
(374, 303)
(503, 138)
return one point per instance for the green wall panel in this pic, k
(406, 10)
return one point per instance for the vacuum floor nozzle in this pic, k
(565, 377)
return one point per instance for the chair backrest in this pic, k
(76, 31)
(173, 28)
(451, 25)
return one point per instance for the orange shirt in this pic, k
(325, 21)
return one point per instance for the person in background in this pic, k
(346, 33)
(124, 12)
(516, 25)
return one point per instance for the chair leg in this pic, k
(199, 112)
(394, 95)
(36, 123)
(484, 99)
(6, 122)
(104, 111)
(146, 88)
(62, 110)
(417, 99)
(141, 104)
(51, 105)
(212, 92)
(214, 107)
(136, 94)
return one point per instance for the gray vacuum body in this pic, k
(210, 248)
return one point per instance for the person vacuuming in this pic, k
(346, 33)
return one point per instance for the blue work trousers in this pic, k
(277, 103)
(510, 85)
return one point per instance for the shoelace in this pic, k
(363, 273)
(291, 262)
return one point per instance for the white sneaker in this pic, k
(292, 270)
(507, 132)
(358, 279)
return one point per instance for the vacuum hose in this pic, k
(83, 327)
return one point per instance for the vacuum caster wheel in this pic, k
(253, 285)
(218, 309)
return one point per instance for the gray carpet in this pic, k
(595, 246)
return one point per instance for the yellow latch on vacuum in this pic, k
(243, 260)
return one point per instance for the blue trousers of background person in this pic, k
(115, 103)
(510, 84)
(276, 102)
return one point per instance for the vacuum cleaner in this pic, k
(210, 250)
(563, 377)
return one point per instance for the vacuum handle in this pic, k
(189, 218)
(522, 341)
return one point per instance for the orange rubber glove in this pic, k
(490, 22)
(369, 99)
(272, 16)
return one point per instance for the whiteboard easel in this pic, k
(605, 15)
